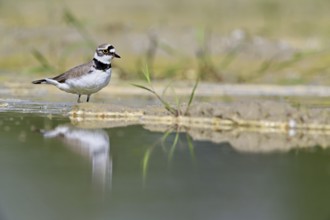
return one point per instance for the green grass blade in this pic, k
(145, 163)
(175, 142)
(143, 87)
(177, 101)
(164, 137)
(146, 73)
(166, 105)
(192, 95)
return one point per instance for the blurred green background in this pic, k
(234, 41)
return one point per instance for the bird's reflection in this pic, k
(93, 144)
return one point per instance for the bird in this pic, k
(87, 78)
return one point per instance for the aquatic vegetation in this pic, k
(166, 104)
(168, 149)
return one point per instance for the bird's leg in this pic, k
(78, 98)
(88, 96)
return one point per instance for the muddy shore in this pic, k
(256, 118)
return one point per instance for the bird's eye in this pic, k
(105, 51)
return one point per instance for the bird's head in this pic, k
(105, 53)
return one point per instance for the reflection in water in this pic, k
(182, 178)
(93, 144)
(249, 140)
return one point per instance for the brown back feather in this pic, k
(74, 72)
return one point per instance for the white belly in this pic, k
(87, 84)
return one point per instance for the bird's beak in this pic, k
(116, 55)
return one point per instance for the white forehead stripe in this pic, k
(104, 46)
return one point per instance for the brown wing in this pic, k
(74, 72)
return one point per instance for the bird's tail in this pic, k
(40, 81)
(46, 81)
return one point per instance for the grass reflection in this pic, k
(169, 149)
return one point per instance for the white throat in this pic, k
(104, 59)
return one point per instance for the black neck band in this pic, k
(101, 66)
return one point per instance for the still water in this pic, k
(52, 170)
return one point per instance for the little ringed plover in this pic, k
(87, 78)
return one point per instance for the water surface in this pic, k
(53, 170)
